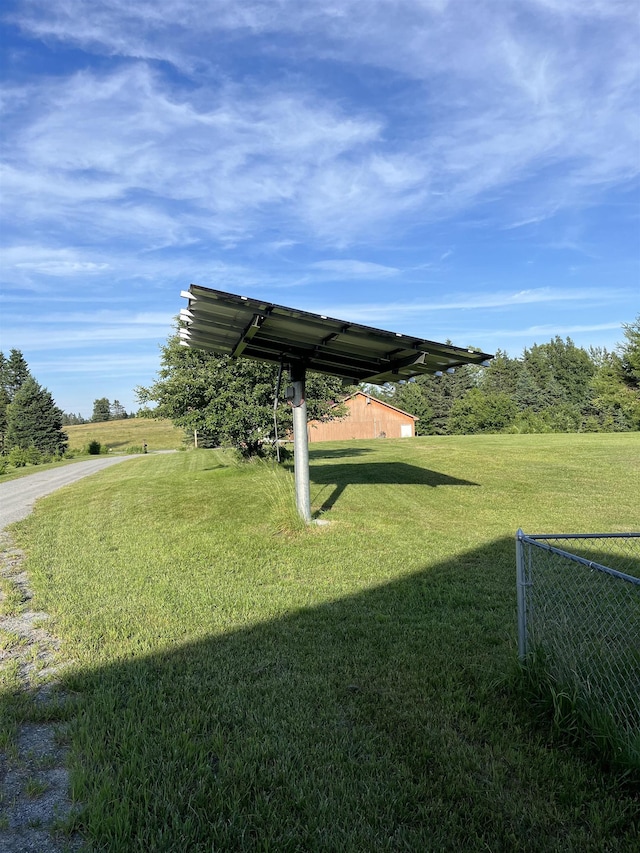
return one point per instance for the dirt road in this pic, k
(17, 497)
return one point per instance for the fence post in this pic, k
(522, 601)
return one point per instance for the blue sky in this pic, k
(452, 170)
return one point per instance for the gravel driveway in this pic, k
(30, 818)
(17, 497)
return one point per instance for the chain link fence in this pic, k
(579, 618)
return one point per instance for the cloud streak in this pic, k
(419, 164)
(120, 151)
(503, 300)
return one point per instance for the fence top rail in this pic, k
(581, 535)
(536, 541)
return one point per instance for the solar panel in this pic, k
(252, 328)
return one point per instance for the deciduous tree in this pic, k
(229, 401)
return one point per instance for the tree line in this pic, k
(554, 387)
(30, 422)
(103, 410)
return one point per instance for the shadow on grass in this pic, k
(372, 722)
(398, 473)
(338, 453)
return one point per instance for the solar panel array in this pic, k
(239, 326)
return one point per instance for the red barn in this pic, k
(367, 418)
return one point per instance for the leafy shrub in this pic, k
(134, 448)
(3, 466)
(33, 456)
(269, 451)
(94, 448)
(17, 457)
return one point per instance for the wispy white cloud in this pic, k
(124, 155)
(78, 329)
(50, 261)
(395, 310)
(347, 268)
(546, 331)
(132, 364)
(505, 93)
(379, 157)
(95, 319)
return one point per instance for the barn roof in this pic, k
(384, 403)
(253, 328)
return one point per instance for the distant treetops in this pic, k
(554, 387)
(30, 421)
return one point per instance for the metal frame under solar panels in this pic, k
(239, 326)
(251, 328)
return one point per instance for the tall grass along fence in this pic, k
(579, 623)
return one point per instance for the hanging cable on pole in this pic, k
(275, 412)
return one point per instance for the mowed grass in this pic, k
(158, 434)
(247, 685)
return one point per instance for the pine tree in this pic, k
(117, 411)
(101, 410)
(34, 420)
(410, 398)
(630, 354)
(4, 402)
(501, 377)
(15, 373)
(70, 418)
(441, 392)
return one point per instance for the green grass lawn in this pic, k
(247, 685)
(131, 432)
(117, 436)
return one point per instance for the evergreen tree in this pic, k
(479, 411)
(33, 420)
(528, 394)
(630, 355)
(441, 392)
(561, 373)
(614, 405)
(4, 402)
(69, 418)
(117, 411)
(101, 410)
(430, 397)
(502, 375)
(410, 398)
(15, 373)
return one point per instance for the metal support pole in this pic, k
(300, 442)
(522, 597)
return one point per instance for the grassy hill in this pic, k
(130, 432)
(246, 684)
